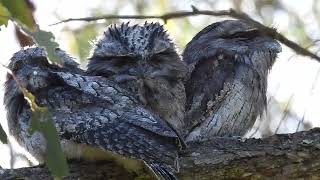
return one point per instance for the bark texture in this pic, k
(282, 156)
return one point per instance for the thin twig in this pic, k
(164, 17)
(195, 12)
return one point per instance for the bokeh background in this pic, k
(294, 83)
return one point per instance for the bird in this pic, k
(92, 114)
(143, 60)
(226, 85)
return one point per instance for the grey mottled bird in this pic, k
(95, 118)
(144, 61)
(226, 89)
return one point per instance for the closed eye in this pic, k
(109, 65)
(119, 61)
(163, 56)
(249, 34)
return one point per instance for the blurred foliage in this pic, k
(82, 40)
(4, 13)
(19, 11)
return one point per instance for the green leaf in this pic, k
(4, 15)
(20, 11)
(46, 40)
(3, 136)
(41, 121)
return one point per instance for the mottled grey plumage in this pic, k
(134, 85)
(143, 60)
(89, 112)
(226, 89)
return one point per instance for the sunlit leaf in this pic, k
(4, 15)
(30, 97)
(20, 11)
(3, 136)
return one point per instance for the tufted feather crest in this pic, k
(136, 40)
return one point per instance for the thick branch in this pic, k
(195, 12)
(287, 156)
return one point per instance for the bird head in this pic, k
(135, 52)
(234, 38)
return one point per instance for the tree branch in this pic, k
(286, 156)
(195, 12)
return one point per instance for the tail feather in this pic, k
(163, 171)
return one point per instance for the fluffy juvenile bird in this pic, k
(226, 89)
(144, 61)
